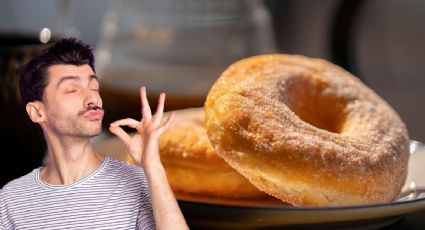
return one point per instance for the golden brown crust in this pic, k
(307, 132)
(193, 166)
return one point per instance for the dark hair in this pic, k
(33, 76)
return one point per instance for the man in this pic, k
(79, 188)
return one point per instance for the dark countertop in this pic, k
(412, 221)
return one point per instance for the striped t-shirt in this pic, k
(114, 196)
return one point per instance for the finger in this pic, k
(120, 133)
(126, 122)
(160, 109)
(146, 109)
(167, 122)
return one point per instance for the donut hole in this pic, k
(313, 100)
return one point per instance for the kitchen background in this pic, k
(182, 46)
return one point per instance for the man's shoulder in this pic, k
(124, 169)
(19, 184)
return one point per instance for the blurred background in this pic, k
(181, 47)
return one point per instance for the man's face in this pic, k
(70, 97)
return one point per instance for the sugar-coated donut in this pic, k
(192, 165)
(307, 132)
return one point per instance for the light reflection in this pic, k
(412, 186)
(45, 35)
(412, 147)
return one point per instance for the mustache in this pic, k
(89, 108)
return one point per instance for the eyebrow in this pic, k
(66, 78)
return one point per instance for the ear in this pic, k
(36, 111)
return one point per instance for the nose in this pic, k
(92, 99)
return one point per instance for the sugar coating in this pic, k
(307, 132)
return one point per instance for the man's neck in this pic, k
(69, 159)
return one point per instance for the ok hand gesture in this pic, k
(143, 146)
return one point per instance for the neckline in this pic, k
(42, 183)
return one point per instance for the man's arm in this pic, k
(165, 207)
(143, 148)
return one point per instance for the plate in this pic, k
(214, 214)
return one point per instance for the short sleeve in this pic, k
(145, 218)
(2, 208)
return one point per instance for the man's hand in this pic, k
(143, 148)
(143, 145)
